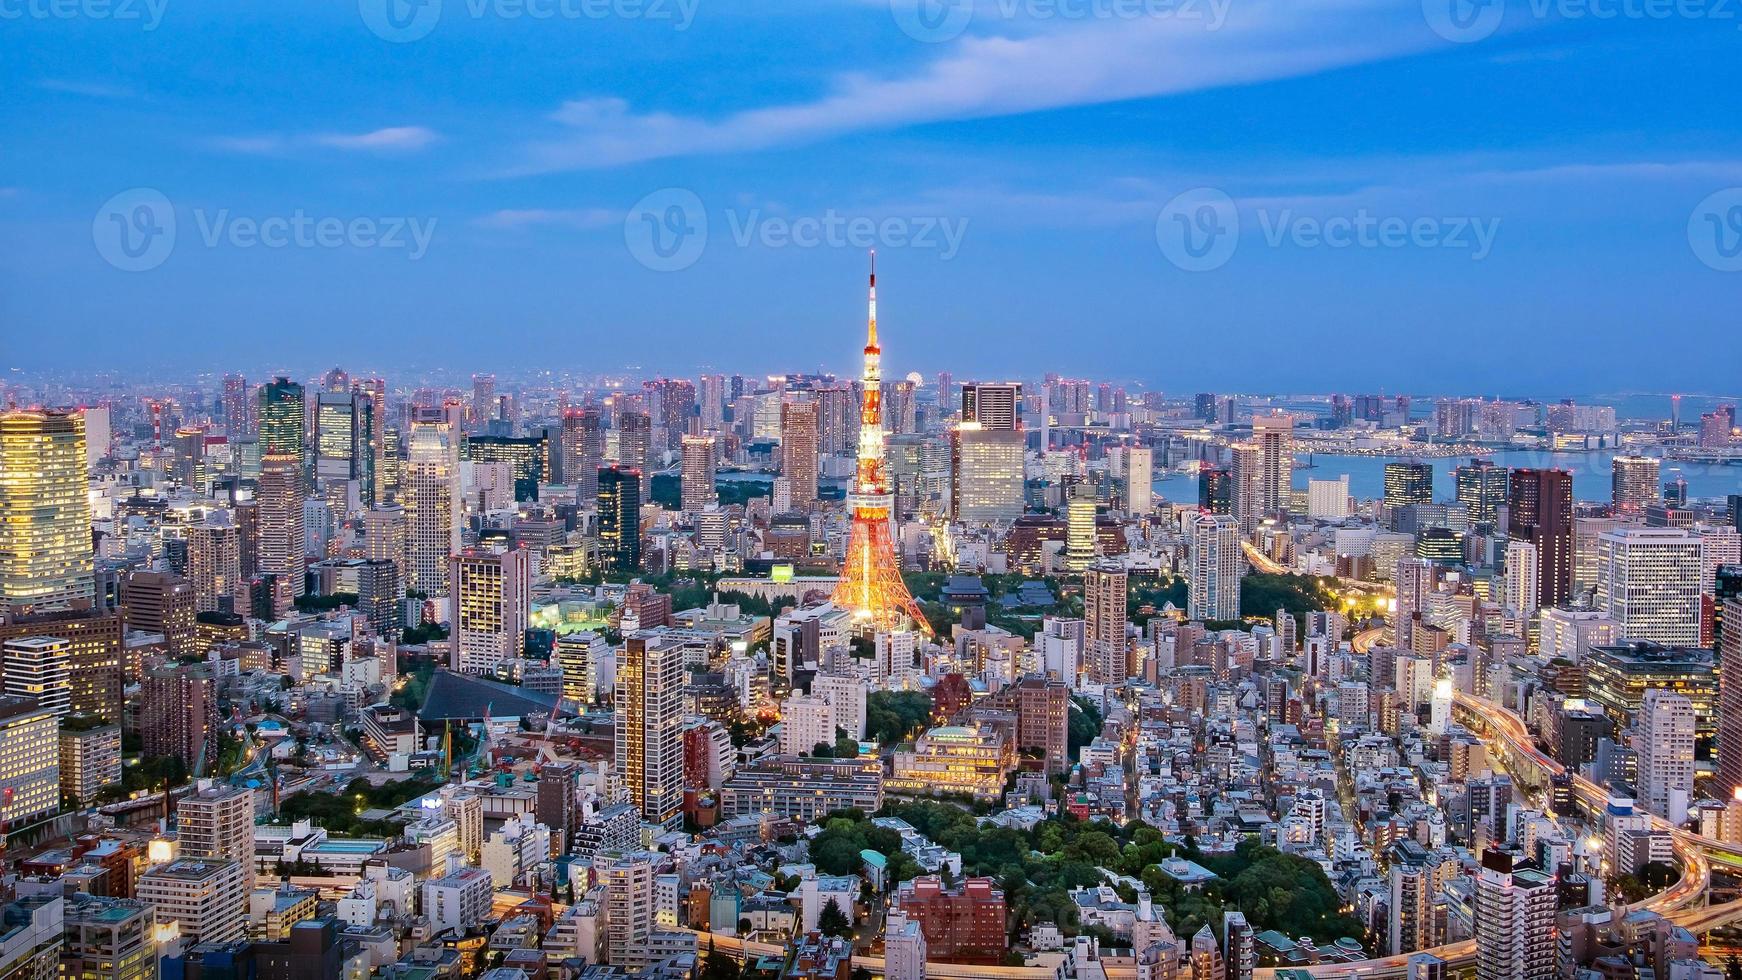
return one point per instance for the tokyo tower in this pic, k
(871, 585)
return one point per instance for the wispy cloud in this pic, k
(987, 75)
(584, 218)
(94, 90)
(390, 139)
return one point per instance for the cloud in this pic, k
(587, 218)
(391, 139)
(1071, 63)
(95, 90)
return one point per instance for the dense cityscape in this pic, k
(835, 676)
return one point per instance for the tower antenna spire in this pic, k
(871, 344)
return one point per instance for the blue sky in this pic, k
(532, 151)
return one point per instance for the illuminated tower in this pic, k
(45, 512)
(871, 585)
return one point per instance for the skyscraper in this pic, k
(1649, 583)
(986, 474)
(1104, 613)
(215, 563)
(994, 405)
(798, 451)
(432, 505)
(1481, 488)
(711, 402)
(1139, 480)
(345, 438)
(583, 450)
(1080, 528)
(489, 604)
(697, 485)
(280, 495)
(385, 532)
(1408, 483)
(1539, 509)
(217, 821)
(1246, 484)
(37, 667)
(649, 725)
(1215, 490)
(45, 512)
(484, 406)
(1663, 740)
(1274, 435)
(1633, 483)
(238, 419)
(619, 505)
(1729, 650)
(634, 446)
(1215, 568)
(281, 419)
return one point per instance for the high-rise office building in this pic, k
(986, 474)
(489, 605)
(1729, 650)
(1246, 484)
(1408, 483)
(484, 407)
(635, 448)
(1080, 528)
(799, 434)
(619, 505)
(432, 505)
(1522, 572)
(1105, 646)
(583, 658)
(583, 450)
(29, 760)
(1663, 742)
(345, 440)
(45, 512)
(1649, 583)
(649, 730)
(1539, 509)
(90, 758)
(1633, 483)
(385, 533)
(281, 550)
(1215, 568)
(1215, 490)
(993, 405)
(281, 415)
(711, 402)
(1481, 488)
(238, 416)
(696, 487)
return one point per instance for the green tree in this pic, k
(833, 921)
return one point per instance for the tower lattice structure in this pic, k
(871, 585)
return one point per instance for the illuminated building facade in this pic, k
(1648, 582)
(649, 729)
(45, 512)
(489, 603)
(432, 505)
(954, 759)
(620, 518)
